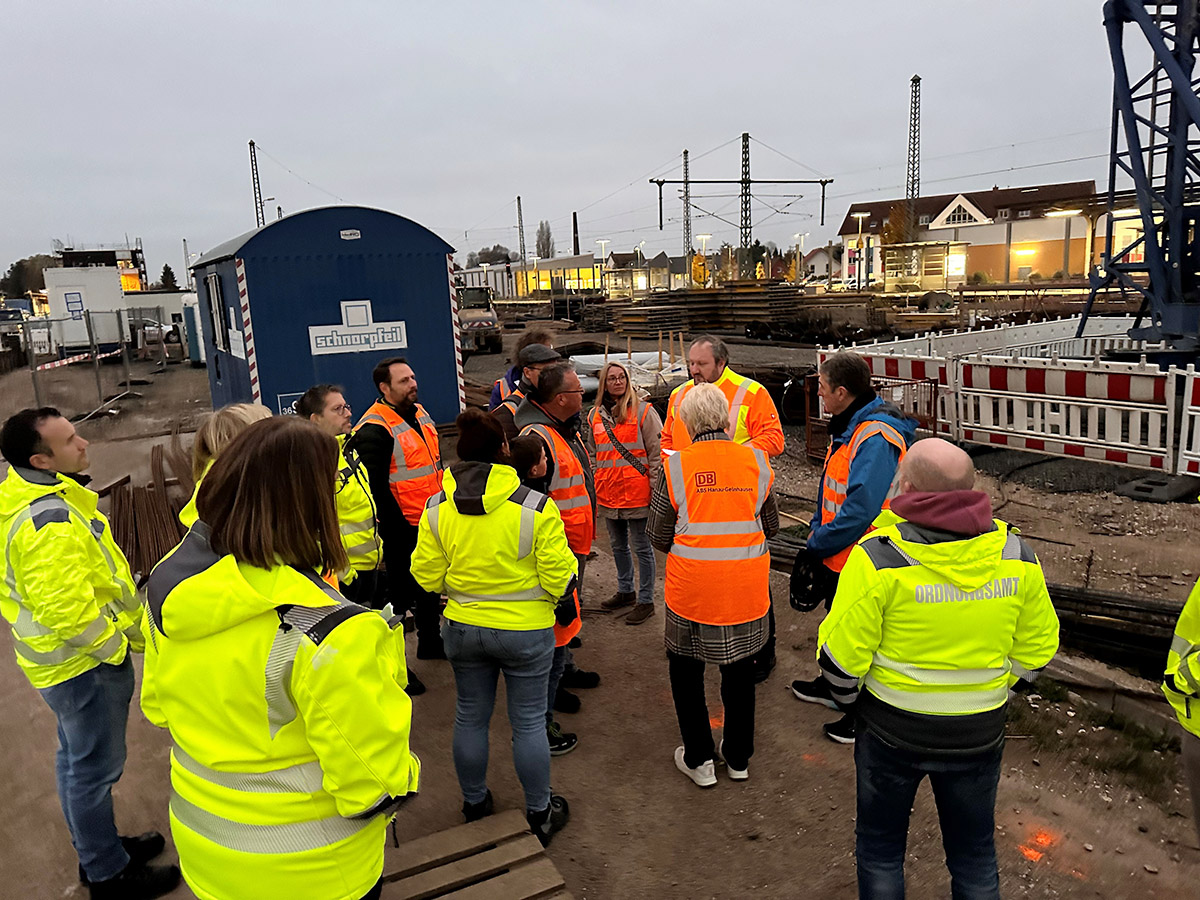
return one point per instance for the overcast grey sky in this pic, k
(129, 118)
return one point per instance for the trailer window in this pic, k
(216, 308)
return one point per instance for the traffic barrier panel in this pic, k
(1113, 412)
(1188, 462)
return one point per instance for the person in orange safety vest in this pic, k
(552, 412)
(398, 443)
(712, 514)
(753, 420)
(868, 438)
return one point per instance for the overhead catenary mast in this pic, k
(521, 233)
(912, 180)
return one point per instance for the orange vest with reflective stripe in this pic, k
(837, 477)
(416, 469)
(512, 400)
(505, 390)
(568, 489)
(719, 567)
(618, 484)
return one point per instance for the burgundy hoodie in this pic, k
(968, 513)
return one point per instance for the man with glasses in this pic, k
(325, 406)
(532, 359)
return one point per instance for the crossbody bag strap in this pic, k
(641, 468)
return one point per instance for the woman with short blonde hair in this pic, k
(624, 439)
(215, 434)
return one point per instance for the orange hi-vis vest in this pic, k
(505, 390)
(719, 567)
(512, 399)
(568, 490)
(619, 485)
(416, 469)
(753, 418)
(837, 477)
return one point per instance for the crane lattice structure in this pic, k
(745, 228)
(1155, 132)
(259, 218)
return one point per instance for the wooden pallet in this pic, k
(496, 858)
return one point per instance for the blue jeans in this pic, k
(964, 789)
(562, 658)
(478, 655)
(621, 533)
(92, 710)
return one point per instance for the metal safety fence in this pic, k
(1039, 388)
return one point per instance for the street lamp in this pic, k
(484, 266)
(642, 257)
(537, 281)
(603, 258)
(704, 239)
(799, 253)
(858, 264)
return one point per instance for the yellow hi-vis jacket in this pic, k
(1181, 679)
(188, 515)
(356, 514)
(290, 724)
(68, 592)
(937, 626)
(495, 548)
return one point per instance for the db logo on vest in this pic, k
(706, 479)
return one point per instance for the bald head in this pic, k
(934, 465)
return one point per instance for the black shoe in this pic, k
(416, 687)
(549, 821)
(141, 849)
(841, 731)
(565, 701)
(561, 742)
(137, 882)
(815, 691)
(578, 679)
(430, 648)
(473, 812)
(762, 669)
(575, 643)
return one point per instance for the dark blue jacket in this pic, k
(513, 377)
(871, 474)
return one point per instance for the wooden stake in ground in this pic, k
(628, 348)
(671, 346)
(606, 337)
(660, 351)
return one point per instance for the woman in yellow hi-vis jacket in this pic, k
(285, 702)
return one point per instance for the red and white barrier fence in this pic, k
(79, 357)
(457, 327)
(1031, 399)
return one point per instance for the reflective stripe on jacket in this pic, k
(68, 594)
(618, 484)
(1181, 679)
(356, 514)
(495, 548)
(753, 418)
(415, 472)
(188, 515)
(718, 569)
(290, 726)
(935, 625)
(568, 489)
(836, 476)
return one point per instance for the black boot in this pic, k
(137, 882)
(141, 849)
(547, 822)
(473, 812)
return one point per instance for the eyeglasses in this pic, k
(614, 377)
(340, 408)
(580, 391)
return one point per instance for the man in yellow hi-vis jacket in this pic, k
(938, 612)
(1181, 685)
(74, 612)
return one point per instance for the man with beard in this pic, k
(398, 443)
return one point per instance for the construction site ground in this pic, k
(1086, 808)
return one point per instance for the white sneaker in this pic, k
(734, 774)
(703, 775)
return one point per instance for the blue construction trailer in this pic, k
(321, 296)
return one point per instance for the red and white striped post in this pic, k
(458, 357)
(248, 332)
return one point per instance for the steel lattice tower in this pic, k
(259, 221)
(687, 210)
(746, 228)
(912, 180)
